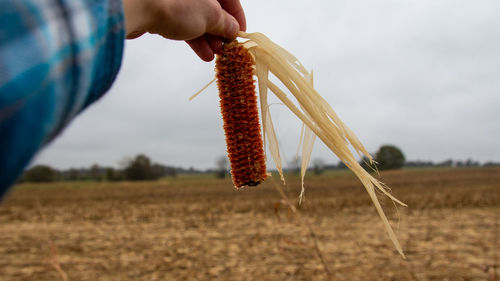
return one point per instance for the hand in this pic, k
(201, 23)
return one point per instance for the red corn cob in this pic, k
(238, 102)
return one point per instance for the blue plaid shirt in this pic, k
(56, 58)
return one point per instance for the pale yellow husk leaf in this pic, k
(317, 115)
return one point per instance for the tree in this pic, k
(389, 157)
(96, 172)
(318, 166)
(114, 175)
(446, 163)
(140, 168)
(71, 174)
(221, 167)
(341, 166)
(158, 170)
(40, 173)
(294, 165)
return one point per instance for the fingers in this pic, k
(234, 8)
(206, 46)
(222, 24)
(134, 34)
(202, 48)
(214, 42)
(225, 22)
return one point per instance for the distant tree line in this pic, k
(451, 163)
(390, 157)
(142, 168)
(138, 168)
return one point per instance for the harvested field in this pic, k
(201, 228)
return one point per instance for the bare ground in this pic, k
(200, 228)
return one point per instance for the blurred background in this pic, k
(138, 186)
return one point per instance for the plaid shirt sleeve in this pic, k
(56, 58)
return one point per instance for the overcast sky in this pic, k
(423, 75)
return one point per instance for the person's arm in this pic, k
(56, 58)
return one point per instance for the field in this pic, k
(201, 228)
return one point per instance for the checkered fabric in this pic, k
(56, 58)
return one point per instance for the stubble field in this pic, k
(201, 228)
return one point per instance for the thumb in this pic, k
(223, 25)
